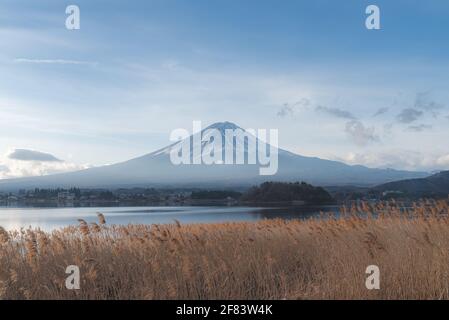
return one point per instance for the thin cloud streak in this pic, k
(55, 61)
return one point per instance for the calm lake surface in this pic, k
(53, 218)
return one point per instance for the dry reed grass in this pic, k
(270, 259)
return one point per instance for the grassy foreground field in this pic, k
(272, 259)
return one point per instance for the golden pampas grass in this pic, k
(83, 226)
(268, 259)
(101, 218)
(4, 236)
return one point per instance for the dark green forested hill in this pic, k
(281, 192)
(436, 185)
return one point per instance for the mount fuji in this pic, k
(157, 170)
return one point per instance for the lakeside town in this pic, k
(275, 192)
(298, 193)
(78, 197)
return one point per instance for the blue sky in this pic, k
(137, 70)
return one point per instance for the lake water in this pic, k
(53, 218)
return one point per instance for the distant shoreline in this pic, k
(112, 204)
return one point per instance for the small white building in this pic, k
(66, 196)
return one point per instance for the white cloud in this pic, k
(31, 155)
(443, 161)
(409, 115)
(420, 127)
(360, 134)
(381, 111)
(399, 159)
(289, 109)
(336, 112)
(55, 61)
(425, 101)
(17, 168)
